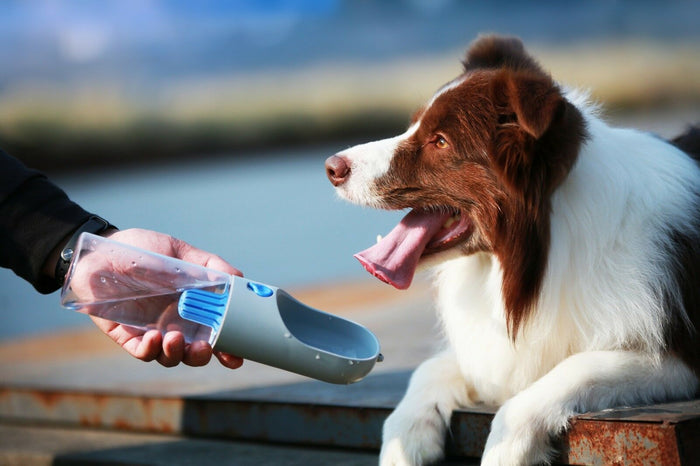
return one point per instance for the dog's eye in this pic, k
(441, 143)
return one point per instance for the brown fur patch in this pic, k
(512, 140)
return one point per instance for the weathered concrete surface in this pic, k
(57, 391)
(50, 446)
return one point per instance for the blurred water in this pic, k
(272, 215)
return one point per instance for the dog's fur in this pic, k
(573, 281)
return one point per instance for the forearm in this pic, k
(36, 218)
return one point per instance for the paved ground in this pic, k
(76, 398)
(36, 446)
(85, 361)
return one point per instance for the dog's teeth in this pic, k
(448, 223)
(379, 238)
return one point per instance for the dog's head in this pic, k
(477, 166)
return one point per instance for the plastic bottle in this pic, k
(145, 290)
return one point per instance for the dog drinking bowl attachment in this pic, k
(255, 321)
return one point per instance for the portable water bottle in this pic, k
(255, 321)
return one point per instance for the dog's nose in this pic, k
(337, 169)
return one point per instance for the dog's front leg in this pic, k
(414, 433)
(524, 426)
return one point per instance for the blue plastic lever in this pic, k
(203, 307)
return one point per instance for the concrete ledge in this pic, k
(51, 446)
(321, 415)
(86, 401)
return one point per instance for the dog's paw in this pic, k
(511, 452)
(521, 434)
(413, 438)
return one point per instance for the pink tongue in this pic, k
(394, 259)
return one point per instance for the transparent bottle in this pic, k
(149, 291)
(138, 288)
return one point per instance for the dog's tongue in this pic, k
(394, 259)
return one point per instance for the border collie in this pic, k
(566, 256)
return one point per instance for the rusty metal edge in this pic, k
(589, 441)
(616, 443)
(280, 422)
(89, 409)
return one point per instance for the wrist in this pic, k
(95, 225)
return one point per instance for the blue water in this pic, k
(274, 216)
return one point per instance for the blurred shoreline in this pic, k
(72, 127)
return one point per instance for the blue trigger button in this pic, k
(260, 290)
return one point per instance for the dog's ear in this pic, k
(532, 97)
(526, 153)
(490, 52)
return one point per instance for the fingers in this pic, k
(173, 349)
(146, 347)
(168, 350)
(228, 360)
(197, 354)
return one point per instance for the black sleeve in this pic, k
(35, 216)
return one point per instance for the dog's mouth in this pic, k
(421, 232)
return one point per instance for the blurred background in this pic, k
(210, 120)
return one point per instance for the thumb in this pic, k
(217, 263)
(189, 253)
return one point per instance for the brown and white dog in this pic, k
(566, 256)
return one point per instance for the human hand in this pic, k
(168, 349)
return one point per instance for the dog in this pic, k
(565, 255)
